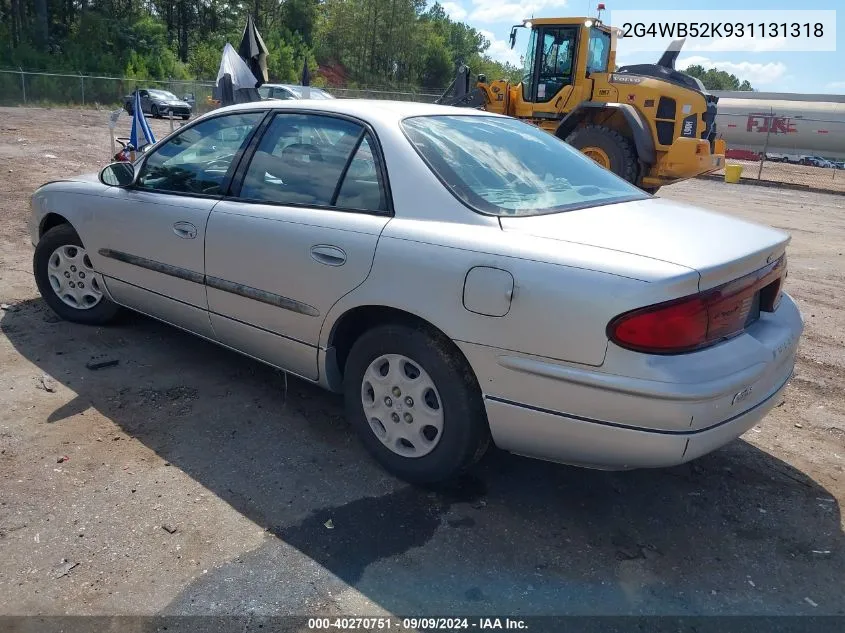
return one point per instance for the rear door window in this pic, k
(315, 160)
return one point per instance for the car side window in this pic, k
(198, 159)
(361, 187)
(301, 160)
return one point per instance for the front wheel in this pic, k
(67, 280)
(608, 148)
(154, 111)
(415, 403)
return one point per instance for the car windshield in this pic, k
(316, 93)
(163, 94)
(502, 166)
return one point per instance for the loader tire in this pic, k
(608, 148)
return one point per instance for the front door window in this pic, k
(198, 159)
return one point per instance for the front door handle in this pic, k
(185, 230)
(328, 255)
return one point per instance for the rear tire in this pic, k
(620, 152)
(60, 251)
(154, 111)
(435, 387)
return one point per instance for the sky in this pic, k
(771, 70)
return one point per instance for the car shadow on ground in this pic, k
(737, 531)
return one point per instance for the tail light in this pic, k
(703, 319)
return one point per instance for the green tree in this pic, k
(389, 43)
(715, 79)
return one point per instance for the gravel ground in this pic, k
(189, 480)
(824, 178)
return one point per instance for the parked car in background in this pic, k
(815, 161)
(158, 103)
(290, 91)
(461, 277)
(742, 154)
(838, 164)
(778, 158)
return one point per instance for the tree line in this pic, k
(715, 79)
(388, 43)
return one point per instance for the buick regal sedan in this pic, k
(460, 277)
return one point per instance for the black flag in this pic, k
(306, 76)
(253, 51)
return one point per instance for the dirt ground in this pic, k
(189, 480)
(824, 178)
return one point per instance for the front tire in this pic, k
(415, 403)
(608, 148)
(154, 111)
(67, 281)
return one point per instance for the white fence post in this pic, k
(23, 85)
(769, 121)
(82, 84)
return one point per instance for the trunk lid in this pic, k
(718, 246)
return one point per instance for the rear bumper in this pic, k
(557, 437)
(637, 410)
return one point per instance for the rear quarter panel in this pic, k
(560, 303)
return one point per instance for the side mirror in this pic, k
(118, 174)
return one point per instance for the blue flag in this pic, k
(141, 133)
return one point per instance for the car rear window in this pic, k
(502, 166)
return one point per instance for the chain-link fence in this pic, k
(770, 148)
(384, 93)
(21, 87)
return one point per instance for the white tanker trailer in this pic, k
(783, 125)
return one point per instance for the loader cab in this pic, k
(559, 56)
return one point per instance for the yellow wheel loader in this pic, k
(648, 123)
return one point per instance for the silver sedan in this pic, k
(460, 277)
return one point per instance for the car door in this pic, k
(300, 233)
(145, 101)
(152, 234)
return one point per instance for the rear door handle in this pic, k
(185, 230)
(328, 255)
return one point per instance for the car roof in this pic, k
(290, 86)
(361, 108)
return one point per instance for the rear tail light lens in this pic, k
(703, 319)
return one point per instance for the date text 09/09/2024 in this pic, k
(418, 624)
